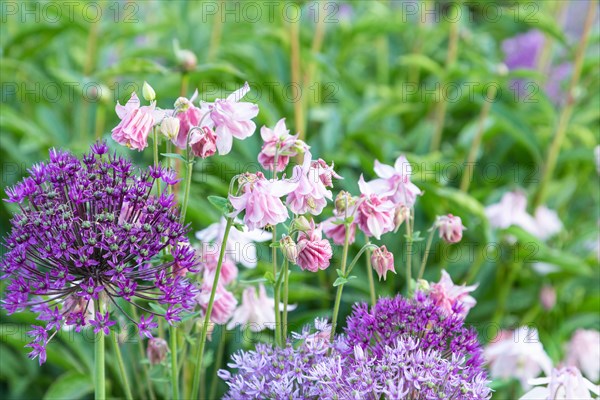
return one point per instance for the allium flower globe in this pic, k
(88, 232)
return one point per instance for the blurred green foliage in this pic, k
(369, 92)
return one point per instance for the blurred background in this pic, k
(472, 92)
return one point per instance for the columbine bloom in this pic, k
(314, 252)
(311, 194)
(335, 229)
(189, 116)
(563, 384)
(382, 261)
(512, 210)
(232, 118)
(394, 182)
(261, 200)
(91, 229)
(135, 124)
(584, 352)
(224, 304)
(450, 228)
(170, 127)
(375, 214)
(451, 298)
(518, 354)
(203, 142)
(241, 247)
(257, 312)
(278, 143)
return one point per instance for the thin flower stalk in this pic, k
(200, 349)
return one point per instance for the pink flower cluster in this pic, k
(207, 129)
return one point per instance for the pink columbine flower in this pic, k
(382, 261)
(563, 384)
(584, 352)
(454, 299)
(203, 142)
(518, 355)
(375, 214)
(256, 312)
(314, 252)
(223, 306)
(232, 118)
(136, 123)
(512, 210)
(210, 260)
(450, 228)
(261, 200)
(394, 182)
(311, 195)
(335, 229)
(278, 142)
(241, 247)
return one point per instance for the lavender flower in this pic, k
(88, 232)
(399, 349)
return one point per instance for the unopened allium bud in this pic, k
(382, 261)
(170, 127)
(182, 104)
(157, 350)
(301, 224)
(343, 201)
(289, 248)
(148, 92)
(401, 214)
(450, 228)
(548, 297)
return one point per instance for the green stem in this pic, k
(338, 295)
(370, 273)
(426, 255)
(218, 362)
(200, 348)
(565, 115)
(174, 366)
(122, 369)
(276, 297)
(186, 193)
(149, 385)
(513, 270)
(285, 299)
(99, 380)
(366, 247)
(409, 242)
(440, 112)
(155, 137)
(485, 110)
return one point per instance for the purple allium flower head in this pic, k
(399, 349)
(89, 230)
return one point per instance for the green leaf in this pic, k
(174, 155)
(340, 281)
(71, 385)
(220, 203)
(423, 62)
(269, 277)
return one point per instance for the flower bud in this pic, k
(343, 201)
(548, 297)
(186, 59)
(182, 104)
(301, 224)
(382, 261)
(157, 350)
(170, 127)
(450, 227)
(422, 286)
(401, 214)
(148, 92)
(289, 248)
